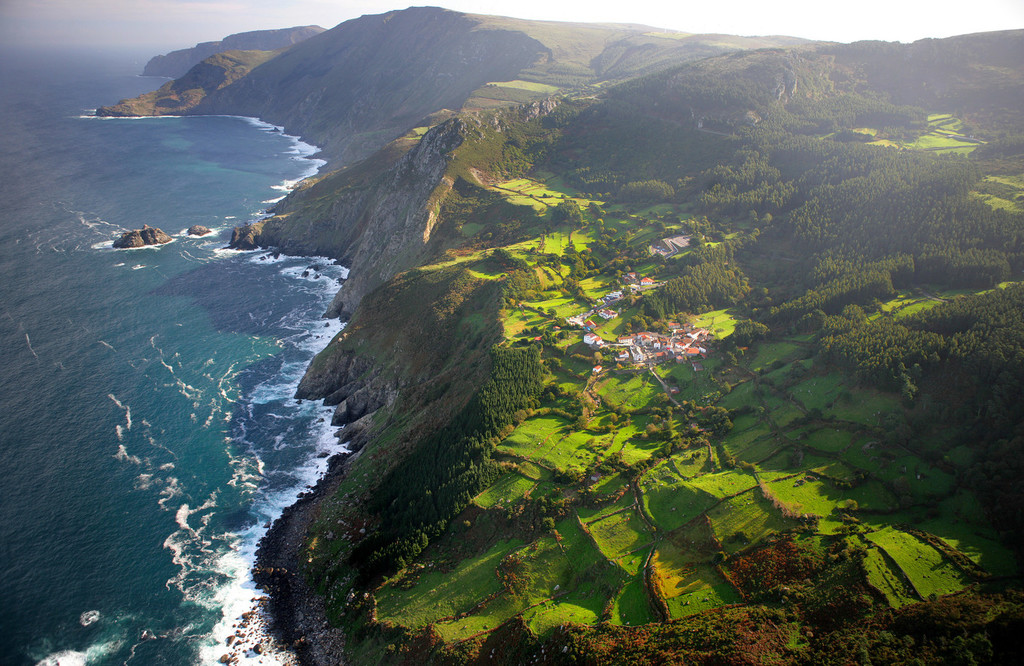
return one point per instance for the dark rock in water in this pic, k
(147, 235)
(246, 237)
(198, 230)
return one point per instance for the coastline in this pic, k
(295, 613)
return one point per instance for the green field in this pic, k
(506, 490)
(746, 519)
(620, 534)
(928, 571)
(883, 578)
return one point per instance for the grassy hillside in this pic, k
(721, 364)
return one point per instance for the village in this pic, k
(683, 343)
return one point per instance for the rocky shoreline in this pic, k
(297, 617)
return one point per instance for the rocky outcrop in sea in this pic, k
(147, 235)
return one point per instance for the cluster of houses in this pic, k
(683, 344)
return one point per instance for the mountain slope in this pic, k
(364, 83)
(177, 63)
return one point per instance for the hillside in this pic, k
(177, 63)
(715, 362)
(368, 81)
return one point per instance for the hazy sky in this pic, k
(165, 24)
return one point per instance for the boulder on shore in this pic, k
(147, 235)
(198, 230)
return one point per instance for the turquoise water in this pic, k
(147, 429)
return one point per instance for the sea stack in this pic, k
(198, 230)
(147, 235)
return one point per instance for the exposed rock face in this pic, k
(176, 63)
(246, 237)
(377, 231)
(198, 230)
(356, 386)
(147, 235)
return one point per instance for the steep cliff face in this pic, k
(177, 63)
(378, 228)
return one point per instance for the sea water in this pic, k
(148, 431)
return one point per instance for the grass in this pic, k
(775, 353)
(890, 583)
(672, 505)
(436, 595)
(720, 322)
(506, 490)
(630, 606)
(746, 519)
(723, 484)
(687, 585)
(620, 534)
(813, 497)
(928, 571)
(818, 392)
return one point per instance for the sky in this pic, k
(161, 25)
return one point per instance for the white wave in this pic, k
(65, 658)
(273, 201)
(230, 217)
(122, 453)
(137, 267)
(89, 617)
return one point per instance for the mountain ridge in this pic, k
(176, 63)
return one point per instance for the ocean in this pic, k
(148, 432)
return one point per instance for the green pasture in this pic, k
(436, 595)
(890, 583)
(722, 484)
(509, 488)
(609, 484)
(696, 386)
(699, 588)
(873, 496)
(818, 392)
(814, 497)
(634, 390)
(771, 353)
(828, 438)
(865, 406)
(620, 534)
(742, 394)
(672, 505)
(721, 323)
(690, 463)
(929, 572)
(746, 519)
(738, 440)
(592, 513)
(535, 435)
(630, 606)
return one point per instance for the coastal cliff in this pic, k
(376, 227)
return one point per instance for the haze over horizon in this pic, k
(160, 25)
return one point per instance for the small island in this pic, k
(198, 230)
(147, 235)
